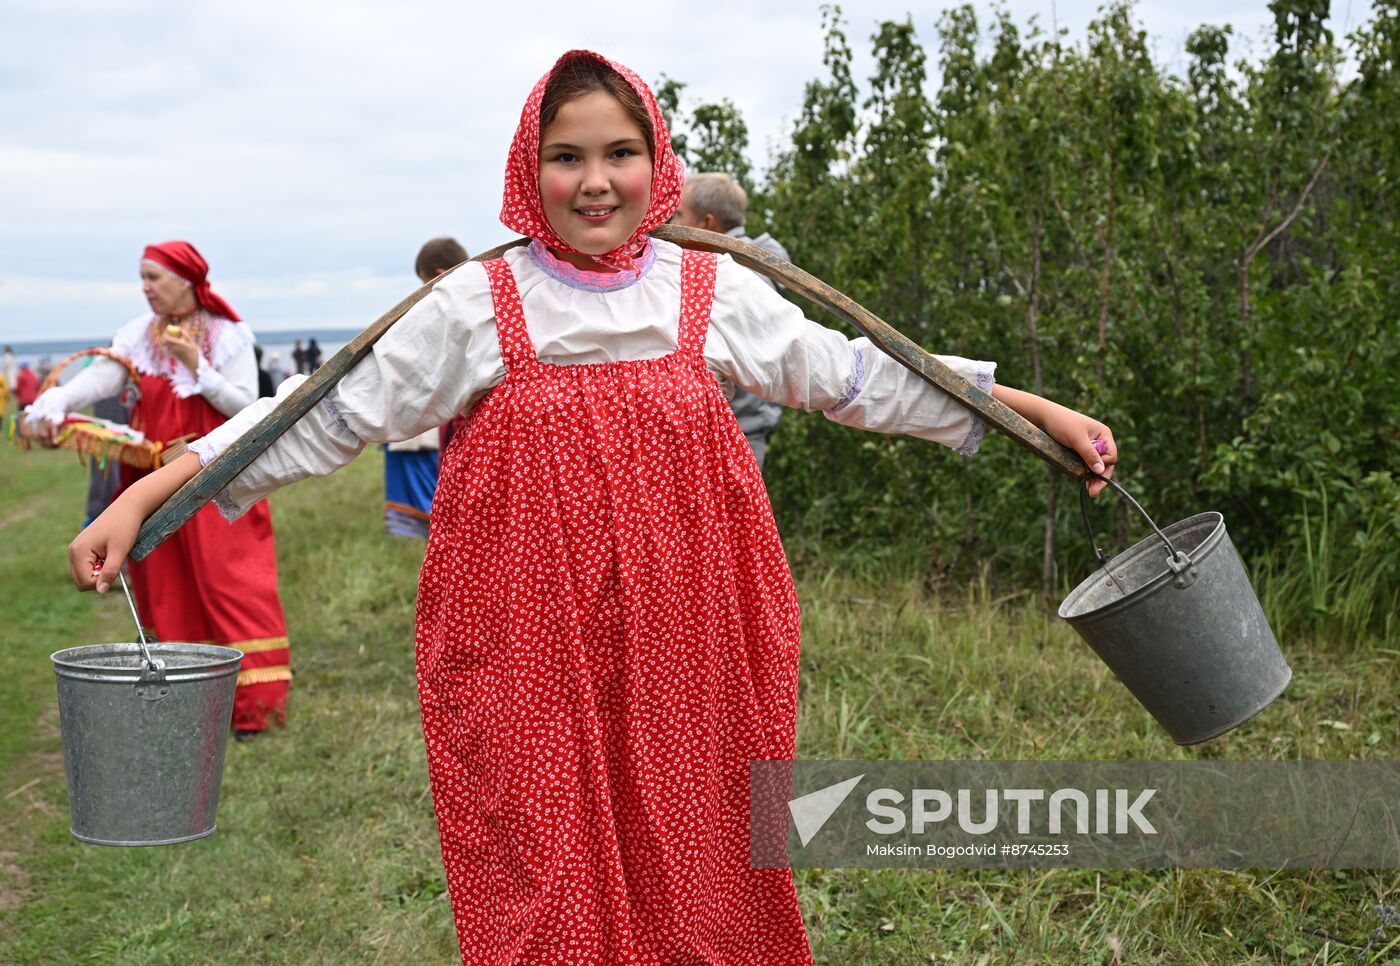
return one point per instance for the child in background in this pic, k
(437, 257)
(411, 466)
(410, 477)
(607, 625)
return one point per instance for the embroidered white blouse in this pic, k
(443, 356)
(228, 380)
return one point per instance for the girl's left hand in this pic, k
(182, 347)
(1080, 433)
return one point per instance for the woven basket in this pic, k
(105, 442)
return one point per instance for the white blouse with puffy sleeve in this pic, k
(442, 357)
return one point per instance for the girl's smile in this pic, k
(595, 177)
(597, 215)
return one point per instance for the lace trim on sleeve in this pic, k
(973, 440)
(206, 452)
(857, 383)
(228, 509)
(334, 412)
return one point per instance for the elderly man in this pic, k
(716, 202)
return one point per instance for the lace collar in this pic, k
(223, 340)
(574, 277)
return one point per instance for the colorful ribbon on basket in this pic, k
(102, 440)
(93, 438)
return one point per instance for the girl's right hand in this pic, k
(98, 552)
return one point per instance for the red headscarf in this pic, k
(521, 209)
(182, 260)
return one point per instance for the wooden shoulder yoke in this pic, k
(205, 485)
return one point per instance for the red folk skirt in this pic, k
(607, 636)
(212, 581)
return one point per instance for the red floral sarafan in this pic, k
(608, 635)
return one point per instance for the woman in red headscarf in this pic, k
(607, 627)
(210, 581)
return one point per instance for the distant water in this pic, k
(330, 342)
(44, 353)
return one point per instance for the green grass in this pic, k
(327, 850)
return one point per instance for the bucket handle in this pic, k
(151, 685)
(1182, 566)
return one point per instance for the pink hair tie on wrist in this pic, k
(1100, 447)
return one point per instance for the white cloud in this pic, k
(294, 140)
(347, 298)
(31, 292)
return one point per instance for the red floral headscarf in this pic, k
(184, 261)
(521, 209)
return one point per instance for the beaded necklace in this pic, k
(195, 322)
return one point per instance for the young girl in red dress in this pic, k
(607, 627)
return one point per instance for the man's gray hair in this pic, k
(716, 193)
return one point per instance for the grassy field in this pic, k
(326, 851)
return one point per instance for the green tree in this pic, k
(1206, 261)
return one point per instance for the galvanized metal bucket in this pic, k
(145, 728)
(1176, 619)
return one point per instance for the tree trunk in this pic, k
(1047, 581)
(1047, 563)
(1246, 354)
(1107, 270)
(1255, 247)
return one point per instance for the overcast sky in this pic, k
(308, 148)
